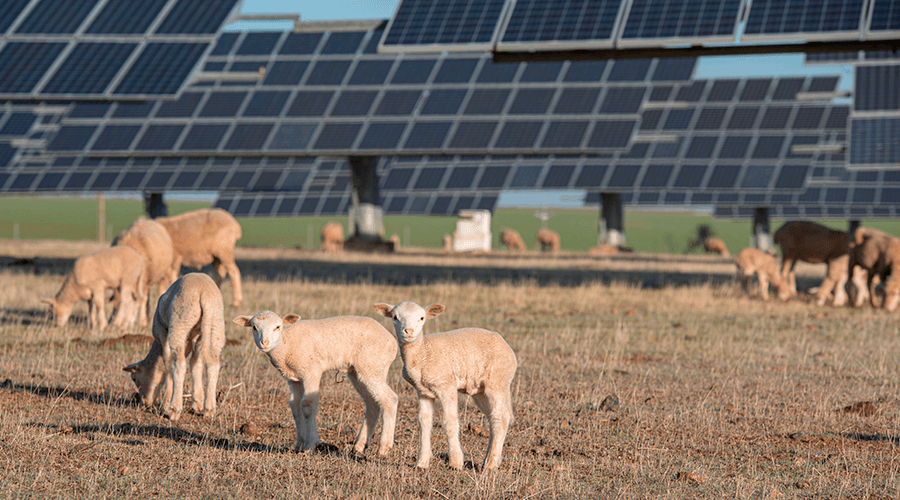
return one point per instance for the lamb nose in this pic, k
(408, 331)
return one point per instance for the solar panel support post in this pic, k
(612, 229)
(852, 226)
(762, 235)
(365, 213)
(154, 205)
(101, 218)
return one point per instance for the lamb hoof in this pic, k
(209, 414)
(236, 303)
(173, 416)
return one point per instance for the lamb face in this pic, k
(146, 381)
(267, 328)
(409, 318)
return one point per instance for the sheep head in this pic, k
(409, 318)
(267, 327)
(59, 311)
(146, 379)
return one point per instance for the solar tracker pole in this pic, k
(612, 229)
(762, 236)
(365, 214)
(154, 205)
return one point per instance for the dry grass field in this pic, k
(718, 395)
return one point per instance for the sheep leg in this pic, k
(197, 399)
(499, 417)
(450, 408)
(426, 416)
(840, 291)
(211, 362)
(860, 280)
(309, 407)
(225, 266)
(892, 292)
(873, 297)
(124, 310)
(178, 369)
(825, 288)
(378, 397)
(98, 313)
(763, 285)
(367, 429)
(299, 421)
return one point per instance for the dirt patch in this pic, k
(128, 338)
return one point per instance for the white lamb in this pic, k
(119, 268)
(472, 361)
(303, 350)
(189, 321)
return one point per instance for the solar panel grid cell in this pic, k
(126, 16)
(161, 68)
(561, 21)
(196, 16)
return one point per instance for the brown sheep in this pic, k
(151, 240)
(448, 243)
(876, 252)
(813, 243)
(202, 237)
(333, 237)
(119, 268)
(750, 261)
(547, 238)
(512, 239)
(715, 245)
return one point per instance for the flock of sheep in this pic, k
(864, 258)
(188, 323)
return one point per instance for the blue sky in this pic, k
(707, 67)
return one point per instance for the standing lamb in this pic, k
(813, 243)
(303, 350)
(189, 321)
(333, 237)
(876, 253)
(471, 361)
(151, 240)
(119, 268)
(202, 237)
(715, 245)
(512, 239)
(750, 261)
(547, 238)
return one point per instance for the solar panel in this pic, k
(654, 23)
(435, 25)
(884, 20)
(804, 19)
(874, 142)
(560, 24)
(104, 48)
(877, 88)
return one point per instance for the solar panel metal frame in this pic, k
(81, 35)
(638, 42)
(501, 46)
(438, 47)
(849, 35)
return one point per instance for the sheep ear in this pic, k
(433, 310)
(384, 309)
(289, 319)
(133, 367)
(242, 320)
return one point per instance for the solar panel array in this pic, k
(560, 25)
(104, 49)
(331, 94)
(875, 120)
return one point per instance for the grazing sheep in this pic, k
(472, 361)
(151, 240)
(512, 239)
(750, 261)
(876, 253)
(303, 350)
(189, 321)
(547, 238)
(715, 245)
(333, 237)
(119, 268)
(813, 243)
(202, 237)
